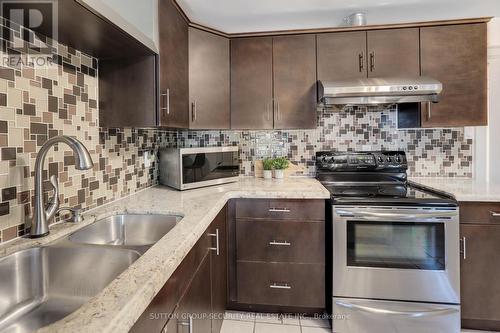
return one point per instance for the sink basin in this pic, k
(126, 230)
(41, 285)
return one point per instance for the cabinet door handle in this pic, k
(276, 105)
(217, 247)
(168, 101)
(284, 243)
(280, 286)
(494, 214)
(360, 59)
(165, 99)
(279, 210)
(463, 251)
(279, 110)
(268, 111)
(429, 110)
(372, 61)
(193, 111)
(188, 323)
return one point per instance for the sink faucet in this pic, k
(43, 215)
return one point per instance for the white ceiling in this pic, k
(235, 16)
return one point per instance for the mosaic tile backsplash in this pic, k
(60, 97)
(37, 103)
(430, 152)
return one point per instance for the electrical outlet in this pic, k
(147, 160)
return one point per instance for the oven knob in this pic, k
(398, 158)
(388, 158)
(380, 159)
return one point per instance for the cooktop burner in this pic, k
(373, 178)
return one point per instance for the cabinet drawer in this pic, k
(281, 284)
(479, 212)
(281, 209)
(280, 241)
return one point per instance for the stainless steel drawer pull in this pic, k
(494, 214)
(280, 286)
(279, 210)
(217, 247)
(285, 243)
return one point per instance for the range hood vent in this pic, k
(376, 91)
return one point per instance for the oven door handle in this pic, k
(413, 314)
(404, 215)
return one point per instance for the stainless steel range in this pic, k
(395, 246)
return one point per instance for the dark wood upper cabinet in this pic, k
(173, 67)
(375, 53)
(456, 55)
(252, 83)
(209, 77)
(127, 92)
(294, 72)
(342, 56)
(393, 52)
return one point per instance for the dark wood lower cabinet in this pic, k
(480, 266)
(194, 299)
(219, 270)
(193, 315)
(276, 252)
(480, 288)
(281, 284)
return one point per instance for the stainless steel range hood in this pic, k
(373, 91)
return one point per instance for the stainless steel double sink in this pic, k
(42, 285)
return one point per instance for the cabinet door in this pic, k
(342, 56)
(173, 68)
(208, 80)
(127, 92)
(295, 94)
(480, 290)
(456, 56)
(219, 270)
(252, 83)
(195, 306)
(394, 52)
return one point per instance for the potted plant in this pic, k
(280, 164)
(268, 165)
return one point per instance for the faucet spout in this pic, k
(41, 216)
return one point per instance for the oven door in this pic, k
(396, 253)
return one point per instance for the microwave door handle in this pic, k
(412, 314)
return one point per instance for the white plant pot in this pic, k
(279, 174)
(268, 174)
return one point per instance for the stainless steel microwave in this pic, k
(187, 168)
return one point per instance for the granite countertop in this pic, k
(463, 189)
(119, 305)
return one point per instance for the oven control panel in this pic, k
(389, 161)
